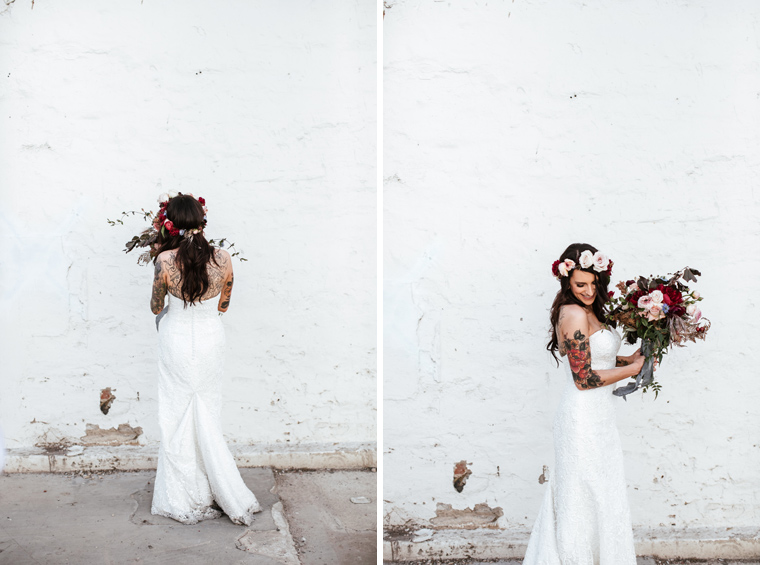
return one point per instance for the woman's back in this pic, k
(219, 273)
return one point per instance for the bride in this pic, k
(196, 475)
(584, 518)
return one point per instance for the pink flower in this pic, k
(656, 296)
(694, 311)
(655, 312)
(695, 295)
(565, 267)
(645, 302)
(169, 225)
(600, 262)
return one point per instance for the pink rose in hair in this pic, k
(565, 267)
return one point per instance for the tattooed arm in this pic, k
(573, 334)
(224, 296)
(159, 287)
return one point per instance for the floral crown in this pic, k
(598, 261)
(161, 222)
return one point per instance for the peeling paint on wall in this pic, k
(123, 435)
(53, 441)
(461, 472)
(543, 477)
(481, 516)
(106, 399)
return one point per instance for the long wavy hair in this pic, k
(565, 294)
(193, 253)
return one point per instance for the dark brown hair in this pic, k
(193, 253)
(565, 294)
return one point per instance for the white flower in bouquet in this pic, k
(586, 259)
(656, 296)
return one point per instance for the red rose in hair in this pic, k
(610, 294)
(555, 270)
(202, 200)
(608, 272)
(169, 225)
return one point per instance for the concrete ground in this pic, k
(104, 518)
(639, 561)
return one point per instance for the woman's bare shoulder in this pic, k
(221, 253)
(166, 256)
(571, 311)
(222, 258)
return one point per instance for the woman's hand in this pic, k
(636, 363)
(628, 359)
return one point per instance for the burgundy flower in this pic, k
(202, 200)
(634, 298)
(555, 270)
(670, 295)
(677, 311)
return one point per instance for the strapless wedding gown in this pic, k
(195, 467)
(584, 518)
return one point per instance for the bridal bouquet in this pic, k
(661, 311)
(149, 237)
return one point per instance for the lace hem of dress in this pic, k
(210, 513)
(192, 517)
(247, 518)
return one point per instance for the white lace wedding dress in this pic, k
(195, 467)
(584, 518)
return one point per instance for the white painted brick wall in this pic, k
(265, 109)
(513, 128)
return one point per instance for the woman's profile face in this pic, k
(583, 286)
